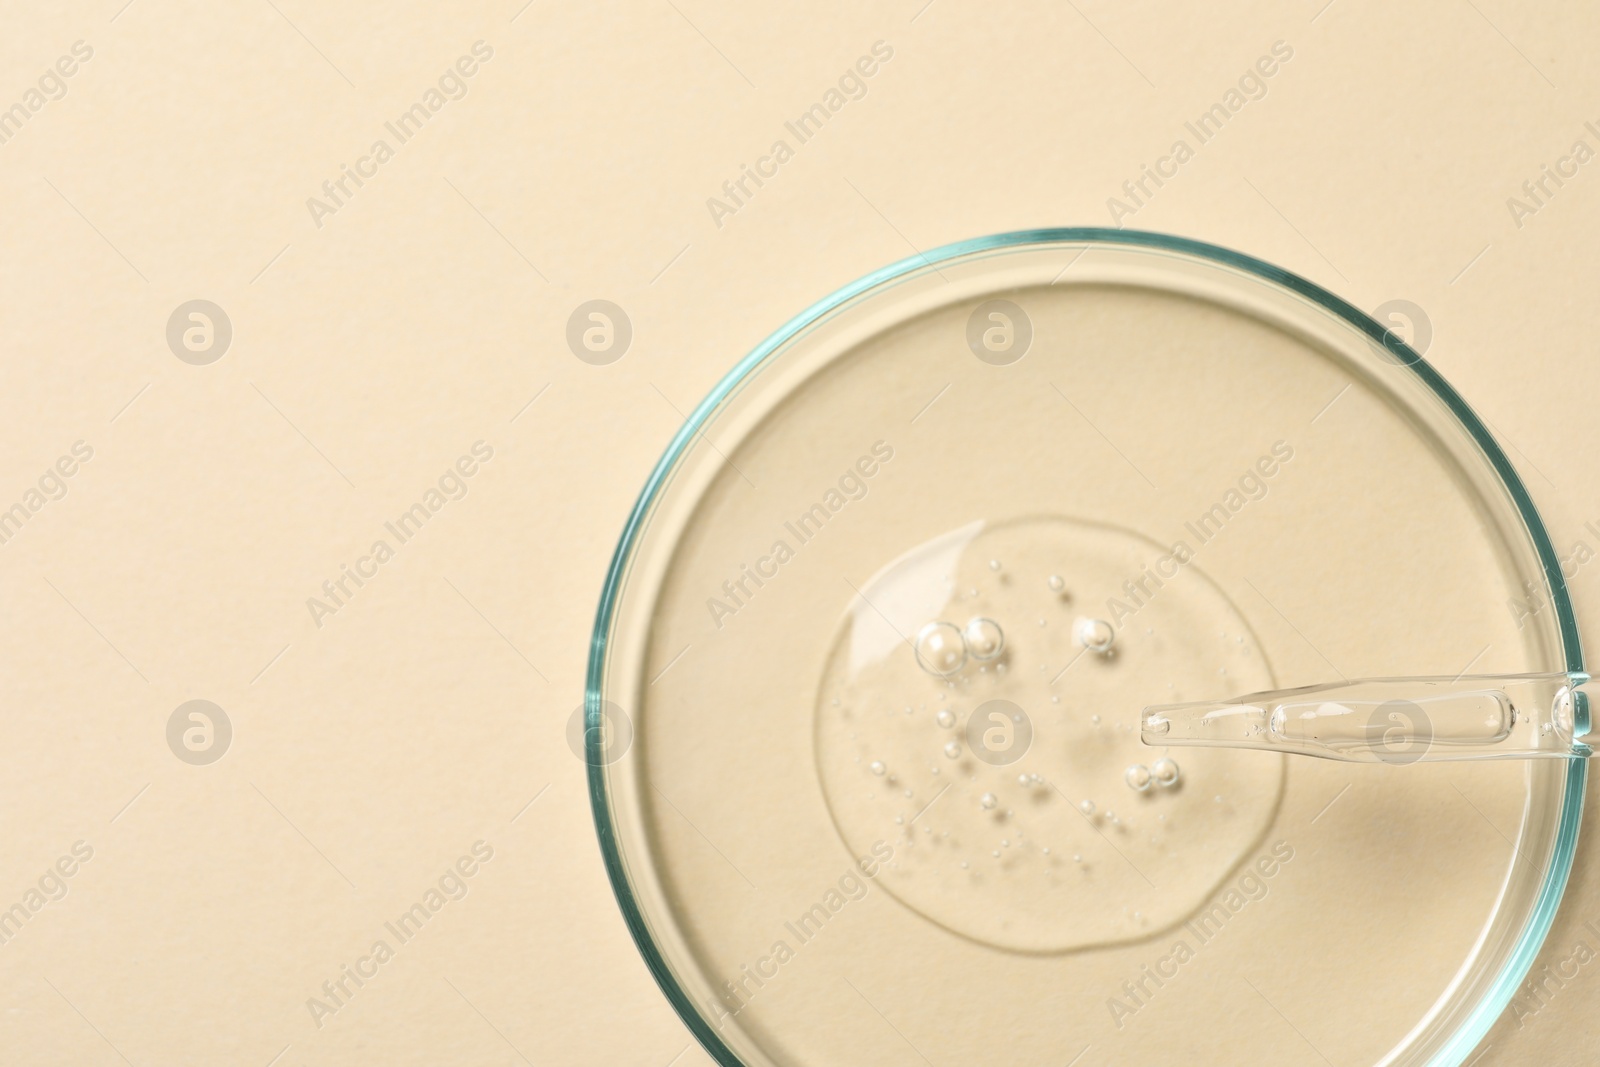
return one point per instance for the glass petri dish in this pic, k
(864, 689)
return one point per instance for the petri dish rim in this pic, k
(1518, 962)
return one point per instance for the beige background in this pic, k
(429, 312)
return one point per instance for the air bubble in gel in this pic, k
(1165, 771)
(940, 649)
(1094, 634)
(984, 638)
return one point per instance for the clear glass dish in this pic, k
(864, 693)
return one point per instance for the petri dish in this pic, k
(863, 704)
